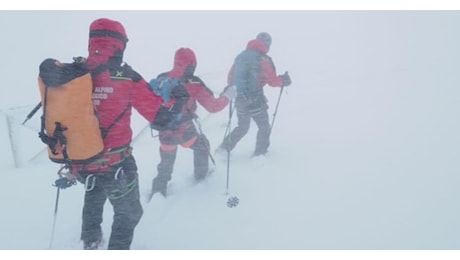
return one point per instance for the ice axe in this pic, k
(32, 113)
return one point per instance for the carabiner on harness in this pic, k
(90, 182)
(66, 178)
(120, 178)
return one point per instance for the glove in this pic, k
(286, 79)
(63, 183)
(229, 92)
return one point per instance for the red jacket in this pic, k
(184, 67)
(205, 97)
(115, 92)
(117, 88)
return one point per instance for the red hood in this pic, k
(182, 59)
(106, 38)
(257, 45)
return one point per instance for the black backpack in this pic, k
(175, 96)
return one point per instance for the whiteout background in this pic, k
(364, 151)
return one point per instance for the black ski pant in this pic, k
(260, 117)
(121, 187)
(200, 160)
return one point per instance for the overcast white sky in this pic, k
(367, 137)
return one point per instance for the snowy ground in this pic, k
(364, 151)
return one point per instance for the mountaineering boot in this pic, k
(221, 154)
(159, 185)
(165, 169)
(94, 245)
(200, 177)
(258, 161)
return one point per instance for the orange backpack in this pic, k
(69, 125)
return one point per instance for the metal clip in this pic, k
(120, 178)
(119, 171)
(90, 179)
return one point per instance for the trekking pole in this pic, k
(276, 108)
(232, 201)
(230, 114)
(61, 183)
(54, 218)
(227, 129)
(32, 113)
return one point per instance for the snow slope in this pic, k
(364, 151)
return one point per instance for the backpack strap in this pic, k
(105, 131)
(99, 69)
(58, 136)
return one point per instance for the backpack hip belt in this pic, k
(106, 163)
